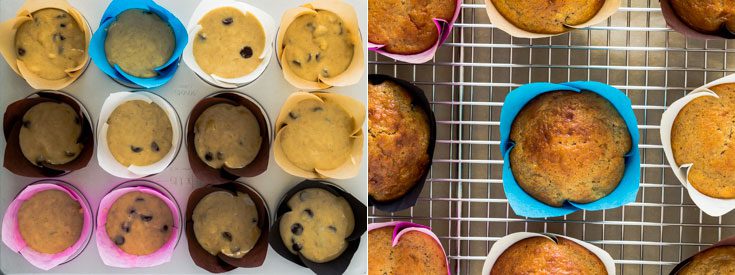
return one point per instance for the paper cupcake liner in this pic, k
(674, 22)
(607, 10)
(338, 265)
(505, 242)
(269, 28)
(114, 256)
(17, 163)
(221, 262)
(165, 71)
(104, 156)
(420, 100)
(444, 28)
(525, 205)
(726, 242)
(225, 174)
(9, 28)
(346, 12)
(712, 206)
(405, 227)
(11, 234)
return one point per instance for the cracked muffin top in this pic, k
(540, 255)
(547, 16)
(407, 26)
(708, 16)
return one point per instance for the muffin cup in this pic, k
(338, 265)
(405, 227)
(674, 22)
(712, 206)
(7, 43)
(525, 205)
(17, 163)
(607, 10)
(210, 175)
(346, 12)
(347, 170)
(267, 23)
(114, 256)
(444, 28)
(221, 262)
(419, 99)
(104, 156)
(505, 242)
(165, 71)
(726, 242)
(11, 234)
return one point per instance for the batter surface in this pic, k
(139, 223)
(50, 134)
(317, 45)
(229, 43)
(50, 221)
(226, 223)
(139, 133)
(50, 44)
(139, 41)
(227, 135)
(317, 225)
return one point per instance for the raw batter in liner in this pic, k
(50, 134)
(139, 133)
(317, 225)
(50, 221)
(139, 223)
(228, 135)
(230, 43)
(139, 41)
(50, 44)
(317, 45)
(226, 223)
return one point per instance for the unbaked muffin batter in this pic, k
(317, 224)
(139, 133)
(50, 44)
(226, 223)
(139, 41)
(229, 43)
(139, 223)
(50, 134)
(228, 135)
(50, 221)
(317, 45)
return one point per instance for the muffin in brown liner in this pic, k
(726, 242)
(14, 159)
(225, 174)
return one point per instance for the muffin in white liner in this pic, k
(266, 21)
(105, 158)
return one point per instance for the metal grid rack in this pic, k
(467, 81)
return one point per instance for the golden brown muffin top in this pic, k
(706, 16)
(718, 260)
(398, 141)
(547, 16)
(415, 253)
(702, 134)
(406, 26)
(539, 255)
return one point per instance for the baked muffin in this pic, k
(139, 223)
(407, 27)
(227, 135)
(718, 260)
(139, 41)
(415, 253)
(50, 221)
(139, 133)
(701, 135)
(540, 255)
(569, 146)
(226, 223)
(547, 17)
(50, 134)
(398, 142)
(706, 16)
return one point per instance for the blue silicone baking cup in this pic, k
(525, 205)
(165, 71)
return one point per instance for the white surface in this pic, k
(183, 92)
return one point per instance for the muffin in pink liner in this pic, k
(377, 262)
(112, 254)
(12, 237)
(674, 22)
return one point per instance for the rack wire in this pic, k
(467, 81)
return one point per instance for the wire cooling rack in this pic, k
(467, 81)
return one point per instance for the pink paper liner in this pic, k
(12, 238)
(114, 256)
(405, 227)
(673, 21)
(442, 26)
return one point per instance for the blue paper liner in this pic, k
(165, 71)
(525, 205)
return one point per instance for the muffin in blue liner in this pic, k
(524, 204)
(165, 71)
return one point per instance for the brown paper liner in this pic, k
(726, 242)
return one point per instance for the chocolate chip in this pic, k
(295, 246)
(135, 149)
(139, 199)
(296, 62)
(317, 109)
(69, 153)
(208, 156)
(309, 59)
(292, 115)
(246, 52)
(61, 15)
(220, 156)
(318, 56)
(227, 236)
(309, 212)
(164, 228)
(146, 218)
(119, 240)
(27, 124)
(59, 36)
(62, 25)
(126, 227)
(131, 211)
(227, 21)
(331, 227)
(310, 26)
(255, 220)
(21, 52)
(154, 147)
(297, 229)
